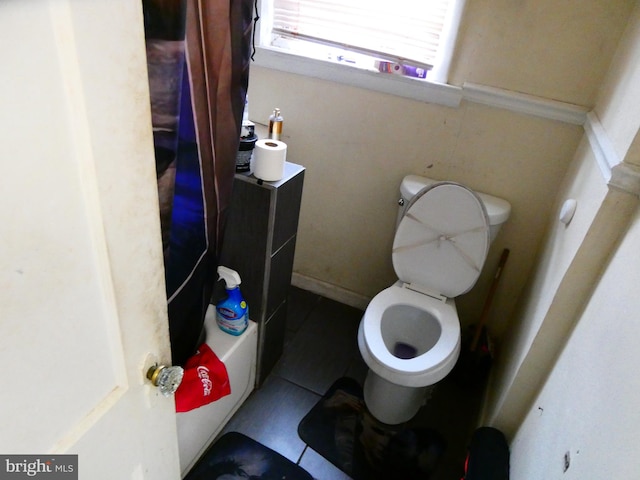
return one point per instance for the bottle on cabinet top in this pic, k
(275, 125)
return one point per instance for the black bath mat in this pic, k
(340, 428)
(235, 455)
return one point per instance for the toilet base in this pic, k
(390, 403)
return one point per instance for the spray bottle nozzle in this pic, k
(230, 277)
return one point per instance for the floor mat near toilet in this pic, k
(235, 455)
(340, 428)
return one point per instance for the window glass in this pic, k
(407, 37)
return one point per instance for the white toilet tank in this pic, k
(498, 210)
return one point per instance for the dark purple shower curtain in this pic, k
(197, 95)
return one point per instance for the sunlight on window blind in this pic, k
(404, 31)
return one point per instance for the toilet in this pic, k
(409, 335)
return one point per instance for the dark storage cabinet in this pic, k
(259, 243)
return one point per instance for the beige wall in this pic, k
(358, 144)
(549, 48)
(553, 303)
(589, 405)
(559, 284)
(568, 383)
(617, 106)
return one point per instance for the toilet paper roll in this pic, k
(268, 159)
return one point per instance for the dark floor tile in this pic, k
(321, 468)
(453, 411)
(357, 369)
(271, 416)
(320, 347)
(300, 304)
(323, 347)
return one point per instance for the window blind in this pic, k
(403, 31)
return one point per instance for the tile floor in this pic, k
(320, 347)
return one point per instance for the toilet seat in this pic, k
(438, 254)
(425, 369)
(442, 240)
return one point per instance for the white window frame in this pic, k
(433, 90)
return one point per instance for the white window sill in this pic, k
(421, 90)
(415, 89)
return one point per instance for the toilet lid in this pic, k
(442, 240)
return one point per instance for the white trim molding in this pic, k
(329, 290)
(421, 90)
(524, 103)
(626, 177)
(411, 88)
(601, 146)
(617, 174)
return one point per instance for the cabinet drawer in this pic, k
(273, 341)
(280, 275)
(287, 212)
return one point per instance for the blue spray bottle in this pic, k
(232, 314)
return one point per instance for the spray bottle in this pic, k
(232, 314)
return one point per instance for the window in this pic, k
(412, 38)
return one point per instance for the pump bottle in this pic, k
(275, 125)
(232, 314)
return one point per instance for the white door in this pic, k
(82, 299)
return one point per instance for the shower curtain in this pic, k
(198, 62)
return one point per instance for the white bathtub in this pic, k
(198, 428)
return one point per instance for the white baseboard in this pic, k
(330, 291)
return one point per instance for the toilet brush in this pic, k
(487, 303)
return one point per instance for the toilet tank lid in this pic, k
(412, 184)
(498, 209)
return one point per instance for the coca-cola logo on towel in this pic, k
(205, 380)
(207, 384)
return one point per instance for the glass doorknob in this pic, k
(167, 379)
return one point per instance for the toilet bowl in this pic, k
(409, 335)
(396, 386)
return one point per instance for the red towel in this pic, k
(205, 380)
